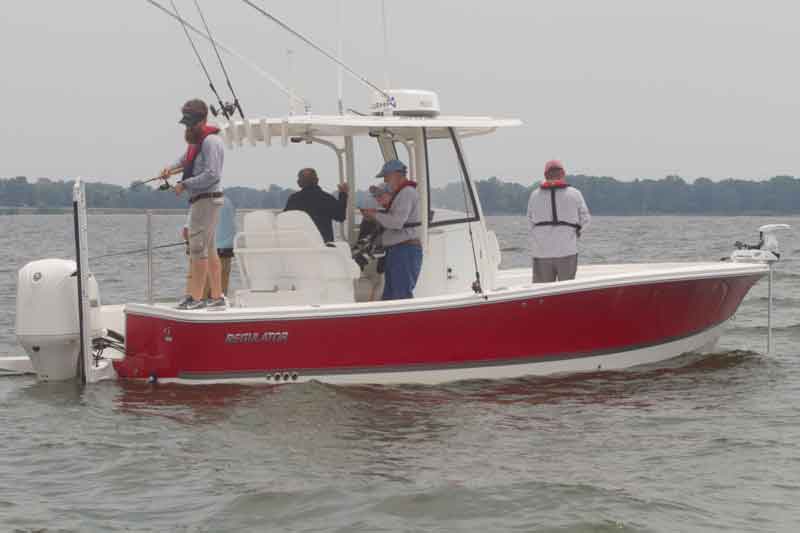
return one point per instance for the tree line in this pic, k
(671, 195)
(605, 196)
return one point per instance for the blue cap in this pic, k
(392, 166)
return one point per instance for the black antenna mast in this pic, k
(221, 64)
(202, 64)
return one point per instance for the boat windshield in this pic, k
(451, 199)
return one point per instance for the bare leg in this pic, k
(214, 273)
(226, 273)
(199, 272)
(207, 287)
(189, 278)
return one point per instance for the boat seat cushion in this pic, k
(285, 253)
(297, 230)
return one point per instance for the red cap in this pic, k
(553, 163)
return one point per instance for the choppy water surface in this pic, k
(697, 444)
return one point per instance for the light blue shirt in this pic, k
(226, 227)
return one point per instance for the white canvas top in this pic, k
(256, 130)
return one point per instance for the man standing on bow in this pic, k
(556, 215)
(401, 232)
(201, 168)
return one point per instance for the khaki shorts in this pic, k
(203, 216)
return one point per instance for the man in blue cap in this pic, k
(401, 232)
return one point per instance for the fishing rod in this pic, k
(318, 48)
(219, 58)
(164, 186)
(142, 250)
(228, 50)
(222, 105)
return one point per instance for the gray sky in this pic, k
(623, 88)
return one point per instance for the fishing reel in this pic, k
(226, 108)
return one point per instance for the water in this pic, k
(695, 444)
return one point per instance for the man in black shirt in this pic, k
(322, 207)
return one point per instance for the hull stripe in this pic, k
(355, 370)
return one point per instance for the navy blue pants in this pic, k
(403, 263)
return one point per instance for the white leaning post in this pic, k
(85, 363)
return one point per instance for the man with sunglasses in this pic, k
(201, 168)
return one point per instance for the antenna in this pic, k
(385, 46)
(228, 50)
(318, 48)
(289, 53)
(339, 80)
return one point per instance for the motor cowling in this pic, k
(47, 323)
(766, 251)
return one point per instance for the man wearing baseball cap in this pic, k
(401, 226)
(557, 213)
(201, 168)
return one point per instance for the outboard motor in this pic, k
(765, 251)
(47, 316)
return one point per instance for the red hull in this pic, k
(528, 330)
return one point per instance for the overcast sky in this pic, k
(623, 88)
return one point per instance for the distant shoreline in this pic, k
(780, 195)
(10, 211)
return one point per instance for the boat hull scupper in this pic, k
(504, 334)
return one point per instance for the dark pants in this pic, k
(548, 269)
(403, 263)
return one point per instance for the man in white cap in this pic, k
(401, 226)
(556, 215)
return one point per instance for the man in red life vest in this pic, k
(201, 166)
(556, 215)
(401, 225)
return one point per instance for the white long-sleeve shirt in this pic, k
(556, 241)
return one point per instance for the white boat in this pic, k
(302, 311)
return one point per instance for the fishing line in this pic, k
(200, 60)
(228, 50)
(143, 250)
(219, 58)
